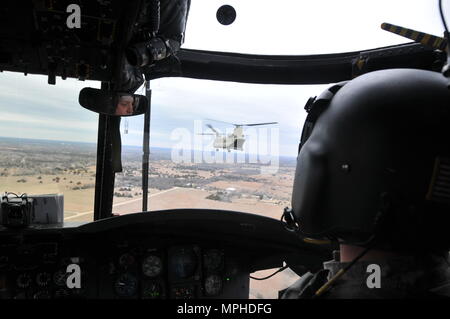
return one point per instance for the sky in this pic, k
(30, 108)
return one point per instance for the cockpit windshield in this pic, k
(208, 149)
(214, 144)
(47, 141)
(293, 27)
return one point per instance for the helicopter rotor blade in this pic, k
(256, 124)
(222, 122)
(250, 124)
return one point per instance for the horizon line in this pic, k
(95, 143)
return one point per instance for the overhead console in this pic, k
(176, 254)
(88, 40)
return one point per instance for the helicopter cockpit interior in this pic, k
(128, 249)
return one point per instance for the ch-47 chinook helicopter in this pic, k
(233, 141)
(181, 253)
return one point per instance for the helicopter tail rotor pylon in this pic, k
(213, 129)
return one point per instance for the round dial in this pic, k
(213, 285)
(152, 266)
(23, 280)
(43, 279)
(60, 277)
(213, 259)
(126, 260)
(126, 285)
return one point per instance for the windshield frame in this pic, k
(295, 69)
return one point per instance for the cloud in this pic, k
(30, 108)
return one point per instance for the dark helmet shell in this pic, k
(369, 164)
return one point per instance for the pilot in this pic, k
(373, 175)
(125, 105)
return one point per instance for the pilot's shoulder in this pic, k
(306, 286)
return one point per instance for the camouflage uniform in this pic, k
(401, 277)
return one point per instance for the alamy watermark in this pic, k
(74, 19)
(73, 276)
(374, 279)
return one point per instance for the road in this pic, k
(133, 205)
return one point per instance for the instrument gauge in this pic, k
(183, 292)
(183, 262)
(126, 260)
(60, 278)
(23, 280)
(152, 290)
(213, 285)
(126, 285)
(152, 266)
(43, 279)
(213, 259)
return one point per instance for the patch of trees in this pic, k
(80, 186)
(118, 194)
(219, 196)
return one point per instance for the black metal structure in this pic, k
(146, 148)
(104, 176)
(299, 69)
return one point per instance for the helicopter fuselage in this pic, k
(234, 141)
